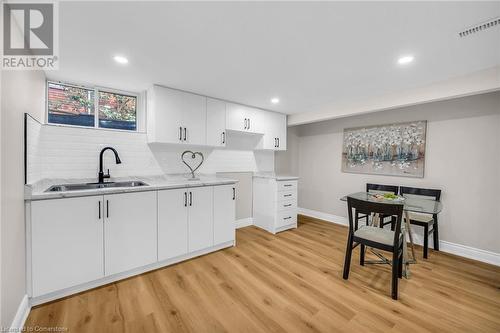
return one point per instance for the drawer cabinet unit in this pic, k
(275, 203)
(176, 116)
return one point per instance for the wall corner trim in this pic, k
(445, 246)
(21, 315)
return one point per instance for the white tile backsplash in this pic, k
(72, 152)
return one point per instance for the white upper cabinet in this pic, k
(216, 122)
(243, 118)
(180, 117)
(275, 131)
(176, 117)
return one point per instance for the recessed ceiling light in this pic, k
(275, 100)
(120, 59)
(405, 60)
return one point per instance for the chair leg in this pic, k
(348, 253)
(426, 240)
(362, 255)
(435, 234)
(395, 270)
(393, 223)
(400, 267)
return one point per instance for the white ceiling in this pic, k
(311, 55)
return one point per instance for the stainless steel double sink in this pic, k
(94, 186)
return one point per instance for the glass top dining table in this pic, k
(411, 203)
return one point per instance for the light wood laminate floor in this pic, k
(290, 282)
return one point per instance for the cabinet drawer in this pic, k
(287, 185)
(286, 195)
(287, 204)
(286, 217)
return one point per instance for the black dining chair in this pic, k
(382, 239)
(381, 189)
(424, 220)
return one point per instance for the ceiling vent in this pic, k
(495, 22)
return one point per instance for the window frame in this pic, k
(139, 107)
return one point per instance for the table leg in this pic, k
(406, 260)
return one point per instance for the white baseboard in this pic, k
(470, 252)
(323, 216)
(444, 246)
(21, 315)
(244, 222)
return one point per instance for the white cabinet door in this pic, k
(216, 123)
(194, 119)
(224, 213)
(66, 243)
(236, 117)
(172, 223)
(176, 116)
(281, 131)
(165, 115)
(200, 218)
(130, 233)
(274, 131)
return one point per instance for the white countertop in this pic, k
(36, 191)
(272, 175)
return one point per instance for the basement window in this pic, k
(91, 107)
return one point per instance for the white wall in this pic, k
(462, 158)
(22, 91)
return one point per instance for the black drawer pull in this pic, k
(287, 218)
(287, 205)
(99, 209)
(288, 185)
(287, 195)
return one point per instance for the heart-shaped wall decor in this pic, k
(191, 158)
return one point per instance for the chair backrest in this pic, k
(421, 192)
(375, 207)
(377, 188)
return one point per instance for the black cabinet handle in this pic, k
(185, 133)
(99, 209)
(185, 199)
(278, 142)
(223, 137)
(190, 198)
(107, 208)
(274, 142)
(287, 195)
(245, 123)
(248, 123)
(234, 193)
(287, 218)
(180, 133)
(288, 205)
(287, 185)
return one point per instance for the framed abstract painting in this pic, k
(390, 150)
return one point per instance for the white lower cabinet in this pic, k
(66, 243)
(129, 231)
(84, 242)
(172, 223)
(200, 218)
(224, 213)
